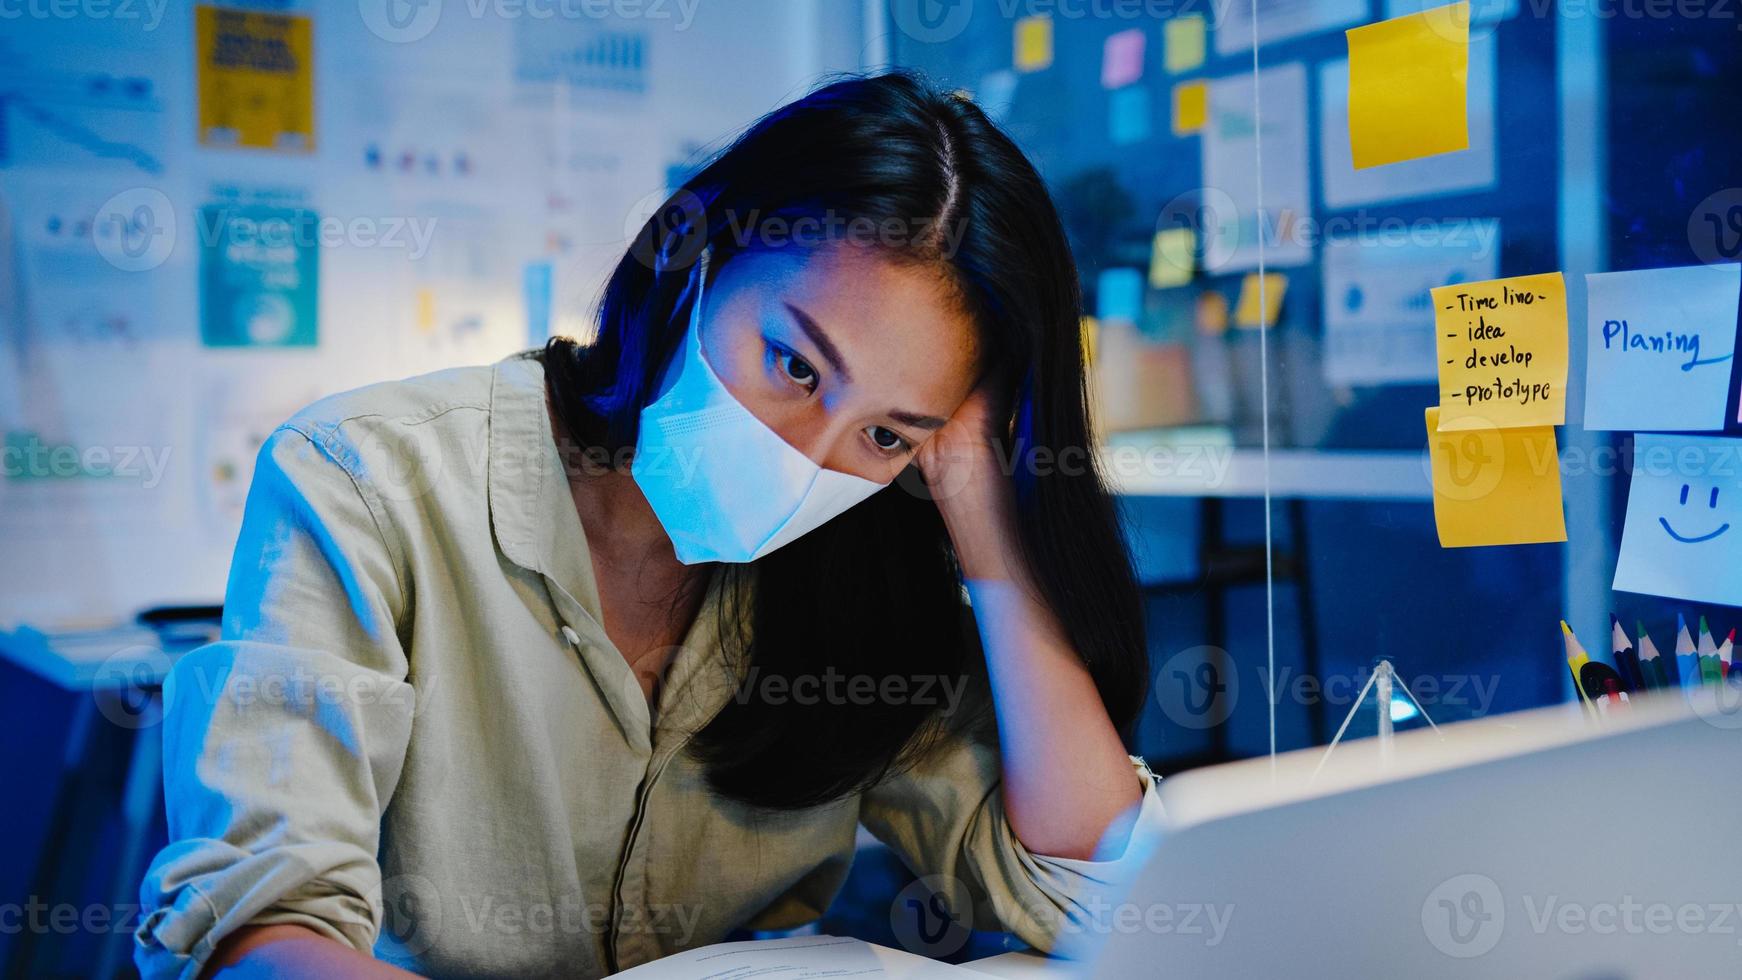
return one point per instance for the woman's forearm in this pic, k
(291, 951)
(1069, 788)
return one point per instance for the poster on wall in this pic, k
(1471, 169)
(259, 274)
(1280, 20)
(1378, 317)
(256, 79)
(1234, 228)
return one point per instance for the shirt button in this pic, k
(570, 635)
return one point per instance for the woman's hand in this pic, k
(968, 474)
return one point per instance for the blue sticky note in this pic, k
(1119, 295)
(1683, 537)
(1658, 347)
(1128, 115)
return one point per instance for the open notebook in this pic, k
(796, 958)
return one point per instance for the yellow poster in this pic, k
(1408, 80)
(1495, 486)
(1503, 352)
(256, 79)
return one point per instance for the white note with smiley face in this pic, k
(1683, 536)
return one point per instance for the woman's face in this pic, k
(855, 360)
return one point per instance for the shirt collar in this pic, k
(531, 511)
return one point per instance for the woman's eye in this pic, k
(797, 369)
(886, 439)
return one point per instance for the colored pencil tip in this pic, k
(1568, 630)
(1732, 637)
(1703, 625)
(1681, 622)
(1640, 624)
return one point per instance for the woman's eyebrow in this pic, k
(818, 337)
(918, 421)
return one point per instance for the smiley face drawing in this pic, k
(1711, 504)
(1683, 533)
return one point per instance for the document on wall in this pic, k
(1495, 486)
(1659, 345)
(1502, 346)
(1234, 227)
(1379, 318)
(1684, 513)
(1470, 169)
(795, 958)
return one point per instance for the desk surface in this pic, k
(1025, 965)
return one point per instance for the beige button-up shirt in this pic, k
(415, 737)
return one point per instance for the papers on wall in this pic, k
(259, 274)
(1279, 20)
(1033, 43)
(256, 79)
(1379, 318)
(1659, 346)
(1260, 299)
(1172, 257)
(1191, 107)
(1502, 346)
(1684, 516)
(1486, 12)
(1119, 295)
(1122, 58)
(1184, 37)
(1233, 227)
(1495, 486)
(1128, 115)
(1408, 86)
(1469, 169)
(997, 93)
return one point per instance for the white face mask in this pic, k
(725, 486)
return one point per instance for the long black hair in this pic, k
(876, 593)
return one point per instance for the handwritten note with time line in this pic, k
(1503, 352)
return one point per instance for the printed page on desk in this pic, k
(797, 958)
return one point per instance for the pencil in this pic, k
(1577, 658)
(1687, 662)
(1650, 661)
(1626, 659)
(1710, 671)
(1724, 657)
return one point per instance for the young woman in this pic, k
(560, 665)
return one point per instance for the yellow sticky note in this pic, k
(1254, 310)
(1191, 107)
(1172, 256)
(255, 79)
(1495, 486)
(1503, 352)
(1033, 42)
(1408, 79)
(1184, 38)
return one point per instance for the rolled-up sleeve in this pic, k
(284, 741)
(945, 818)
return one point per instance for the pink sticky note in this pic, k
(1122, 58)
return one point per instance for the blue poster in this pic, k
(259, 275)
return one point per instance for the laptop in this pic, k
(1540, 844)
